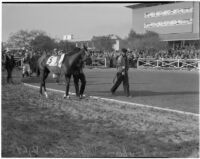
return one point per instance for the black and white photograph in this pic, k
(100, 79)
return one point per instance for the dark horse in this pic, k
(67, 68)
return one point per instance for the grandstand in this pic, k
(175, 22)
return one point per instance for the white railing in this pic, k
(169, 63)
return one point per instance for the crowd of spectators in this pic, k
(98, 57)
(133, 55)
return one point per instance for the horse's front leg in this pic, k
(76, 81)
(67, 78)
(44, 75)
(83, 83)
(41, 81)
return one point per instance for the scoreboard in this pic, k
(165, 20)
(172, 18)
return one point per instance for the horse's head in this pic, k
(84, 52)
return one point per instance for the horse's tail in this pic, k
(40, 64)
(38, 67)
(38, 72)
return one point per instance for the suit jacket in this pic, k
(10, 62)
(122, 64)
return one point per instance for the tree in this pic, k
(43, 42)
(66, 45)
(23, 38)
(148, 41)
(103, 43)
(133, 35)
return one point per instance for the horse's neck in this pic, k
(74, 57)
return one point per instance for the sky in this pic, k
(83, 20)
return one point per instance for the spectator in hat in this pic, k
(122, 73)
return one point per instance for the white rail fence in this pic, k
(169, 63)
(147, 63)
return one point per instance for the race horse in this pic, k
(66, 67)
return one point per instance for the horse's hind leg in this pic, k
(67, 78)
(41, 80)
(46, 73)
(38, 72)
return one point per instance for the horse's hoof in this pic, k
(46, 95)
(66, 97)
(81, 96)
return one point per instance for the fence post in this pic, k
(156, 63)
(162, 62)
(105, 62)
(21, 62)
(178, 63)
(138, 62)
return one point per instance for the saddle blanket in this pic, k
(55, 60)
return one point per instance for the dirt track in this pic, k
(39, 127)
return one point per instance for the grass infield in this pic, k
(33, 126)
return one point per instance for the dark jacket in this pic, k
(9, 62)
(122, 64)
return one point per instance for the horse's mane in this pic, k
(76, 50)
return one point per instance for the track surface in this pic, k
(178, 90)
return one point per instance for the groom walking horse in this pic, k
(67, 65)
(78, 74)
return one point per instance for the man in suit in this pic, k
(122, 73)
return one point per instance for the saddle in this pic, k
(55, 61)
